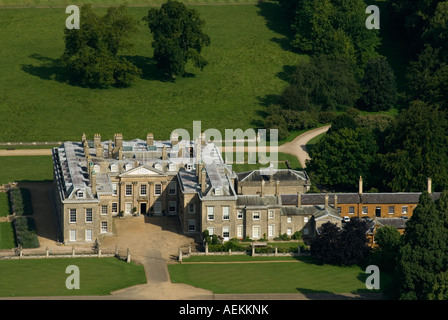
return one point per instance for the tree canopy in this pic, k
(91, 52)
(177, 37)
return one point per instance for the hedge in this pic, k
(26, 232)
(20, 200)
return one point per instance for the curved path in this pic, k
(297, 147)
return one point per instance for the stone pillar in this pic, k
(47, 252)
(73, 252)
(99, 252)
(128, 258)
(253, 250)
(116, 250)
(298, 248)
(189, 249)
(180, 255)
(206, 248)
(276, 251)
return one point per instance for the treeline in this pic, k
(92, 52)
(344, 69)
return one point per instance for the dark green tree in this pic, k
(339, 158)
(177, 37)
(388, 240)
(379, 90)
(91, 52)
(416, 148)
(422, 253)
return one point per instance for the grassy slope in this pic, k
(280, 277)
(246, 69)
(47, 277)
(6, 235)
(26, 168)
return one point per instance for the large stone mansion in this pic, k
(97, 180)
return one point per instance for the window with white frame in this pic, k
(114, 207)
(103, 226)
(114, 189)
(305, 219)
(191, 208)
(210, 213)
(172, 188)
(271, 214)
(127, 207)
(256, 215)
(271, 230)
(225, 232)
(225, 213)
(351, 210)
(289, 231)
(172, 206)
(72, 216)
(391, 209)
(72, 235)
(157, 207)
(192, 225)
(364, 210)
(239, 214)
(143, 189)
(256, 232)
(128, 190)
(404, 209)
(305, 231)
(104, 210)
(80, 194)
(239, 231)
(89, 215)
(158, 189)
(211, 231)
(289, 219)
(88, 234)
(339, 209)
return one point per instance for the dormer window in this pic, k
(113, 168)
(190, 167)
(80, 194)
(218, 191)
(171, 167)
(158, 166)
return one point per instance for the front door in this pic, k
(378, 212)
(143, 208)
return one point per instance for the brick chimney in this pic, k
(326, 201)
(299, 200)
(277, 188)
(174, 139)
(262, 188)
(97, 140)
(203, 179)
(164, 154)
(118, 140)
(335, 202)
(93, 182)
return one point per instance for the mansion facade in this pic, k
(96, 181)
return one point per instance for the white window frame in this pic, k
(226, 216)
(104, 208)
(114, 207)
(256, 215)
(172, 188)
(289, 219)
(143, 189)
(172, 204)
(71, 212)
(393, 209)
(254, 235)
(211, 231)
(403, 210)
(192, 223)
(89, 214)
(191, 208)
(226, 229)
(157, 207)
(104, 226)
(157, 186)
(289, 231)
(271, 230)
(128, 207)
(114, 189)
(128, 192)
(271, 214)
(366, 211)
(349, 208)
(72, 235)
(210, 213)
(305, 219)
(89, 235)
(239, 231)
(239, 214)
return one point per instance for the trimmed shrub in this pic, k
(20, 200)
(26, 232)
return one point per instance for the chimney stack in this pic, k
(326, 201)
(277, 188)
(83, 138)
(203, 180)
(262, 188)
(335, 202)
(164, 154)
(118, 139)
(174, 139)
(97, 140)
(429, 185)
(110, 150)
(149, 139)
(120, 153)
(203, 139)
(360, 185)
(93, 182)
(299, 200)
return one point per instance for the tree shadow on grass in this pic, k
(277, 20)
(50, 68)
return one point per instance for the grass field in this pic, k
(46, 277)
(26, 168)
(248, 62)
(282, 157)
(7, 236)
(4, 204)
(270, 277)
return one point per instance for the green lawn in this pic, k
(6, 236)
(282, 157)
(26, 168)
(4, 204)
(46, 277)
(248, 59)
(64, 3)
(271, 277)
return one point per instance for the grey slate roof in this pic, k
(256, 201)
(399, 223)
(278, 174)
(319, 198)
